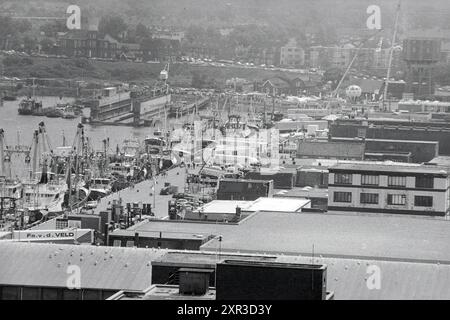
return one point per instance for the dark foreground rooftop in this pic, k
(28, 264)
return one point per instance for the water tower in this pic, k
(353, 93)
(421, 55)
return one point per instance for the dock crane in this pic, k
(335, 92)
(2, 163)
(391, 54)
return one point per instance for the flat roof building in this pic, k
(388, 187)
(347, 276)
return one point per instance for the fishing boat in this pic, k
(9, 98)
(68, 113)
(10, 193)
(123, 169)
(53, 113)
(131, 148)
(99, 188)
(44, 196)
(154, 144)
(30, 106)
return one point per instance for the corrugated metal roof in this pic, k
(331, 149)
(348, 278)
(340, 235)
(111, 268)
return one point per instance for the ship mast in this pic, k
(35, 147)
(391, 54)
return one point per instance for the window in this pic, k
(31, 293)
(367, 180)
(10, 293)
(71, 294)
(425, 181)
(342, 178)
(343, 197)
(91, 294)
(423, 201)
(369, 198)
(396, 199)
(396, 181)
(49, 294)
(130, 243)
(117, 243)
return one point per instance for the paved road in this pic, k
(143, 192)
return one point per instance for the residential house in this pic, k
(160, 50)
(276, 86)
(84, 43)
(292, 54)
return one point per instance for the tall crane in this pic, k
(2, 164)
(333, 95)
(391, 54)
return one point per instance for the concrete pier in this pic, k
(143, 192)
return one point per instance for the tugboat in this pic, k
(9, 98)
(30, 106)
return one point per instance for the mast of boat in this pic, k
(34, 88)
(69, 180)
(264, 115)
(35, 146)
(391, 54)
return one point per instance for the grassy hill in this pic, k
(83, 69)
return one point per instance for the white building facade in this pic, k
(388, 188)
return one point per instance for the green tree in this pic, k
(47, 45)
(7, 27)
(29, 44)
(334, 75)
(142, 31)
(114, 26)
(53, 27)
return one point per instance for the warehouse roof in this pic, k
(129, 269)
(224, 206)
(347, 278)
(338, 235)
(278, 204)
(109, 268)
(330, 149)
(306, 192)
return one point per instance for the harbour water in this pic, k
(19, 127)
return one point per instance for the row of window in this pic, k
(393, 181)
(41, 293)
(392, 199)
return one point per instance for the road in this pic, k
(142, 192)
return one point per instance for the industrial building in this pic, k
(243, 189)
(396, 150)
(394, 130)
(393, 188)
(131, 273)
